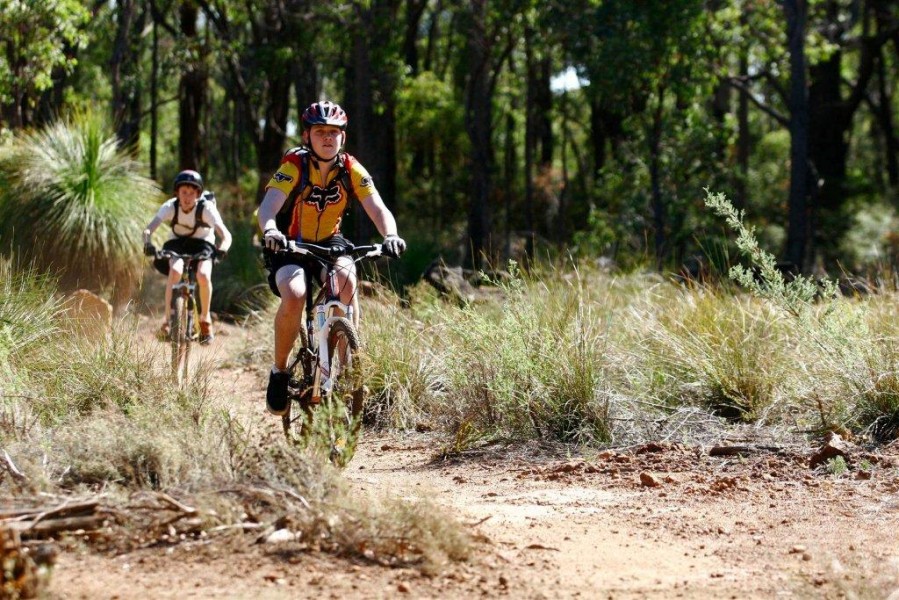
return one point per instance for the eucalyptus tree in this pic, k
(841, 77)
(811, 69)
(35, 37)
(266, 48)
(373, 75)
(125, 70)
(492, 31)
(647, 64)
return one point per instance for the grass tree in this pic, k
(72, 202)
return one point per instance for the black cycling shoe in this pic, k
(276, 400)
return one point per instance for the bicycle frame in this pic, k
(323, 317)
(326, 304)
(183, 291)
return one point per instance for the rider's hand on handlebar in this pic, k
(393, 246)
(219, 255)
(274, 239)
(149, 249)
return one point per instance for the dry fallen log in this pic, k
(41, 522)
(46, 527)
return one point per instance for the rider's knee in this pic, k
(290, 300)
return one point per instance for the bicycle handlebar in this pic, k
(331, 252)
(172, 255)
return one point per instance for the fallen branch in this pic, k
(172, 502)
(12, 468)
(37, 515)
(740, 450)
(51, 526)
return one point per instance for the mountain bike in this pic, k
(184, 320)
(324, 370)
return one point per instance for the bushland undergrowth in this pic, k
(567, 353)
(576, 354)
(96, 415)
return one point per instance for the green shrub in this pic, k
(723, 353)
(89, 198)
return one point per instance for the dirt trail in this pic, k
(660, 521)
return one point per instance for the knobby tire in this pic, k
(346, 398)
(180, 337)
(299, 409)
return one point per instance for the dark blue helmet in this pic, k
(188, 177)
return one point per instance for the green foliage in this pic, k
(795, 297)
(837, 466)
(36, 36)
(406, 378)
(239, 280)
(851, 372)
(868, 243)
(73, 203)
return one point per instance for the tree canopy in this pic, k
(787, 106)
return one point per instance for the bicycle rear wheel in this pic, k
(346, 399)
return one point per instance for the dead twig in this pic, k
(172, 502)
(51, 526)
(476, 523)
(12, 468)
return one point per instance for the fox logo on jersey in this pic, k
(281, 177)
(321, 197)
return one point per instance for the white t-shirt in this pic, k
(206, 231)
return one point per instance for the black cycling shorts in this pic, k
(275, 260)
(181, 246)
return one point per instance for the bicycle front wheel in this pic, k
(346, 398)
(179, 335)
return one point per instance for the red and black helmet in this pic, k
(324, 113)
(188, 177)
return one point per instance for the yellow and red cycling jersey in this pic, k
(319, 209)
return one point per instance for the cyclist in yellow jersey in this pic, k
(315, 218)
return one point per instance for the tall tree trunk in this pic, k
(887, 128)
(478, 104)
(373, 122)
(154, 94)
(827, 147)
(744, 141)
(362, 135)
(191, 96)
(654, 139)
(531, 137)
(799, 226)
(124, 73)
(270, 144)
(830, 124)
(509, 172)
(415, 9)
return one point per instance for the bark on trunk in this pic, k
(191, 98)
(478, 102)
(799, 226)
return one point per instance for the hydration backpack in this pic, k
(284, 216)
(207, 196)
